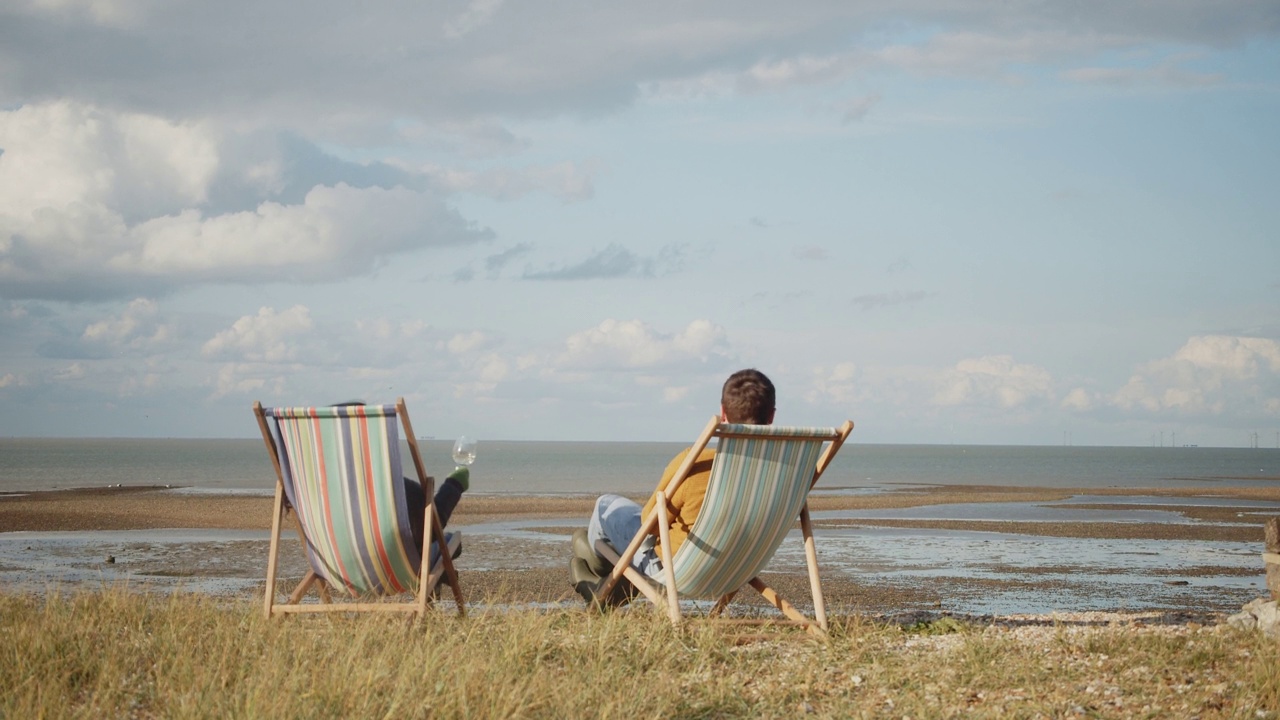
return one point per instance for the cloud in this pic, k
(1079, 399)
(1209, 376)
(266, 337)
(633, 344)
(1165, 73)
(496, 262)
(440, 62)
(993, 381)
(105, 13)
(800, 70)
(95, 205)
(467, 342)
(138, 328)
(566, 181)
(889, 299)
(833, 384)
(614, 261)
(856, 109)
(477, 15)
(811, 252)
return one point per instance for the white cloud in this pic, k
(567, 181)
(477, 15)
(266, 337)
(8, 379)
(466, 342)
(1079, 399)
(631, 344)
(994, 381)
(64, 155)
(834, 384)
(1167, 72)
(237, 379)
(95, 204)
(74, 371)
(674, 394)
(138, 327)
(108, 13)
(1208, 376)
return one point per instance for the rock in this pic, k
(1260, 614)
(1269, 619)
(1254, 604)
(110, 559)
(1243, 621)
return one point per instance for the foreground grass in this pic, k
(115, 653)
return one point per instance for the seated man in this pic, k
(446, 497)
(747, 397)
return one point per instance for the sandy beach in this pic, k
(516, 548)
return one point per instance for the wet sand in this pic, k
(516, 548)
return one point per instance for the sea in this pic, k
(558, 468)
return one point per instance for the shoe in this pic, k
(583, 580)
(582, 549)
(587, 584)
(462, 476)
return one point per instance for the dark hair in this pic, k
(748, 397)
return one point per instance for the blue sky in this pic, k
(1014, 223)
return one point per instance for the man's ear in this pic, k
(724, 416)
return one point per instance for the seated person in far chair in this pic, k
(446, 498)
(747, 397)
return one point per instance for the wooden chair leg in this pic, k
(785, 607)
(811, 559)
(664, 534)
(273, 553)
(722, 603)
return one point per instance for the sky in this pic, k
(1037, 223)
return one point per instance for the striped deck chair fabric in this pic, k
(342, 474)
(339, 469)
(754, 495)
(757, 490)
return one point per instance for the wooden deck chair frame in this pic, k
(428, 579)
(659, 518)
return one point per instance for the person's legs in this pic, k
(617, 520)
(450, 493)
(446, 499)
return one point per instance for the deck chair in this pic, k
(758, 488)
(338, 469)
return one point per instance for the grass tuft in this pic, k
(119, 653)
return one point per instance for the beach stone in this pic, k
(1269, 618)
(1243, 621)
(1253, 605)
(110, 559)
(1260, 614)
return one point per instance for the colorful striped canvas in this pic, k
(759, 482)
(342, 475)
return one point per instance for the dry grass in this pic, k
(118, 653)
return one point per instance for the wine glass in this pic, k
(464, 451)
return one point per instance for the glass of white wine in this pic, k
(464, 451)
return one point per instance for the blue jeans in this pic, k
(617, 520)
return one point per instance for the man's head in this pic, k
(747, 397)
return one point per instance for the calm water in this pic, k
(571, 467)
